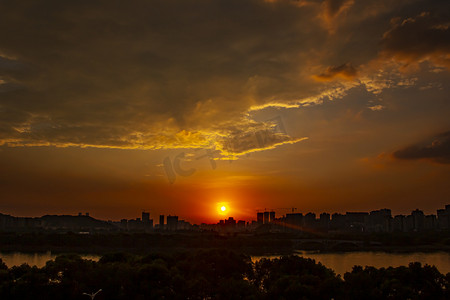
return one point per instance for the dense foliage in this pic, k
(215, 274)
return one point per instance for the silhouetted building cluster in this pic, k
(265, 217)
(226, 225)
(146, 224)
(139, 224)
(375, 221)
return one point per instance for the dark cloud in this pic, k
(140, 74)
(334, 7)
(438, 150)
(332, 10)
(131, 74)
(345, 71)
(422, 37)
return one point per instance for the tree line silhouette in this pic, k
(215, 274)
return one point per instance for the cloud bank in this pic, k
(186, 74)
(436, 150)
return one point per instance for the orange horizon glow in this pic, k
(335, 123)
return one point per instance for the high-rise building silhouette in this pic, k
(324, 220)
(145, 217)
(294, 220)
(172, 222)
(266, 217)
(161, 221)
(443, 217)
(271, 216)
(309, 220)
(398, 223)
(260, 217)
(418, 219)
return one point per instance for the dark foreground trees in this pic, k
(215, 274)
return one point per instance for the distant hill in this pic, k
(53, 222)
(73, 222)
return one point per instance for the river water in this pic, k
(340, 262)
(344, 261)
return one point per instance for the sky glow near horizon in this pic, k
(172, 107)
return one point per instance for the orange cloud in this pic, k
(332, 10)
(345, 71)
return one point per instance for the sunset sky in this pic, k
(182, 106)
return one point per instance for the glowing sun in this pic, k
(223, 208)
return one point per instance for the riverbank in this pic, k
(250, 244)
(224, 274)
